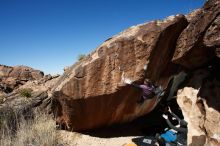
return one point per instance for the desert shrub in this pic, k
(81, 57)
(26, 92)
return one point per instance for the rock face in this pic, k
(27, 100)
(200, 103)
(200, 41)
(13, 77)
(212, 35)
(20, 72)
(91, 94)
(198, 50)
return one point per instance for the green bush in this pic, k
(26, 93)
(81, 57)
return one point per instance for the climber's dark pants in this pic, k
(141, 99)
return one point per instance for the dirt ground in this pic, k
(116, 135)
(76, 139)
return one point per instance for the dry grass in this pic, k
(39, 131)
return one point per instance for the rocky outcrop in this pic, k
(20, 72)
(13, 77)
(212, 35)
(91, 94)
(23, 89)
(26, 101)
(45, 84)
(200, 103)
(20, 106)
(198, 51)
(199, 42)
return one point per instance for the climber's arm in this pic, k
(136, 85)
(182, 122)
(179, 129)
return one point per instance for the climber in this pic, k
(182, 123)
(177, 134)
(172, 136)
(149, 90)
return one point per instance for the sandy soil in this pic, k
(77, 139)
(116, 135)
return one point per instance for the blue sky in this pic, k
(50, 34)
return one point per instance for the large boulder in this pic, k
(200, 103)
(13, 77)
(199, 42)
(20, 72)
(212, 35)
(198, 50)
(91, 93)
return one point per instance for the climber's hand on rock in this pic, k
(165, 116)
(169, 109)
(127, 81)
